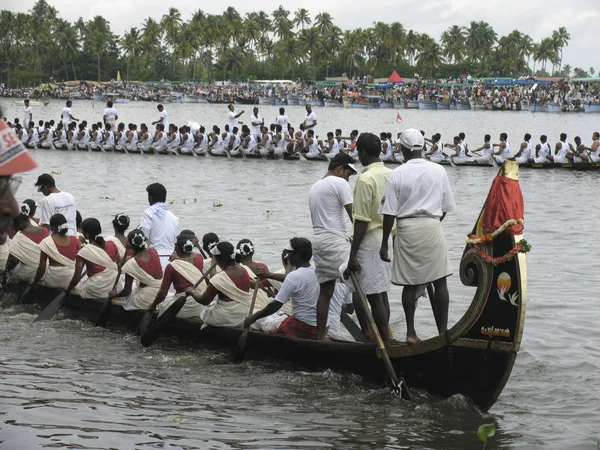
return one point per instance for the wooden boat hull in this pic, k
(534, 107)
(333, 103)
(553, 107)
(442, 105)
(244, 101)
(412, 104)
(463, 106)
(293, 101)
(281, 101)
(386, 105)
(315, 102)
(266, 101)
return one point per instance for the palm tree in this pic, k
(68, 42)
(302, 17)
(131, 44)
(545, 52)
(562, 38)
(430, 57)
(310, 43)
(324, 22)
(97, 38)
(171, 23)
(453, 42)
(151, 39)
(281, 22)
(411, 45)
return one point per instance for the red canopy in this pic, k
(395, 78)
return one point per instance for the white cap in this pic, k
(412, 139)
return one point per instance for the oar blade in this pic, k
(240, 350)
(104, 314)
(144, 323)
(50, 310)
(154, 330)
(25, 295)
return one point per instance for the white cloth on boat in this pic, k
(28, 254)
(230, 313)
(342, 295)
(4, 252)
(57, 277)
(330, 251)
(99, 284)
(192, 274)
(120, 247)
(420, 252)
(140, 297)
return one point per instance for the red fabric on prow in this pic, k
(504, 202)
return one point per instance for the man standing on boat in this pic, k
(164, 117)
(27, 114)
(110, 116)
(56, 202)
(256, 122)
(374, 273)
(328, 200)
(67, 115)
(310, 121)
(418, 196)
(159, 224)
(233, 117)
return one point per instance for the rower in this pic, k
(83, 138)
(418, 196)
(174, 138)
(282, 119)
(57, 255)
(232, 287)
(459, 157)
(163, 117)
(524, 154)
(328, 198)
(561, 150)
(374, 274)
(146, 139)
(131, 143)
(386, 149)
(24, 256)
(159, 224)
(60, 137)
(234, 116)
(279, 142)
(245, 250)
(100, 259)
(542, 151)
(463, 142)
(120, 137)
(312, 145)
(29, 207)
(578, 152)
(593, 154)
(108, 139)
(110, 116)
(486, 148)
(302, 287)
(55, 202)
(187, 140)
(503, 152)
(120, 224)
(160, 140)
(310, 120)
(145, 269)
(436, 154)
(95, 138)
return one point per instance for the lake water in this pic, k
(67, 384)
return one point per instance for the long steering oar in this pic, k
(107, 305)
(241, 347)
(400, 388)
(149, 333)
(54, 305)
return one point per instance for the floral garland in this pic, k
(479, 243)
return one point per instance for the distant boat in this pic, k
(427, 105)
(332, 103)
(442, 105)
(281, 101)
(463, 106)
(411, 104)
(266, 101)
(591, 107)
(386, 104)
(553, 107)
(536, 107)
(97, 97)
(315, 102)
(293, 101)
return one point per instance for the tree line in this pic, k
(39, 46)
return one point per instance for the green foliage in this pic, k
(39, 45)
(486, 431)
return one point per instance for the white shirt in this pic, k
(233, 121)
(66, 115)
(161, 227)
(60, 203)
(27, 113)
(342, 295)
(418, 188)
(255, 129)
(309, 120)
(110, 113)
(326, 201)
(283, 121)
(164, 119)
(302, 287)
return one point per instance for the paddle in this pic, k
(241, 347)
(352, 328)
(25, 294)
(55, 305)
(142, 328)
(400, 389)
(106, 307)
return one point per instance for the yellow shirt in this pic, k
(368, 194)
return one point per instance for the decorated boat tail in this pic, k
(474, 358)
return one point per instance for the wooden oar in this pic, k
(26, 292)
(106, 307)
(55, 305)
(400, 389)
(142, 328)
(241, 347)
(352, 328)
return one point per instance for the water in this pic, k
(67, 384)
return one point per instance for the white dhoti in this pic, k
(375, 275)
(99, 284)
(4, 252)
(140, 297)
(330, 251)
(223, 313)
(28, 254)
(56, 277)
(192, 308)
(522, 160)
(420, 252)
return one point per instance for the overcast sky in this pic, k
(538, 18)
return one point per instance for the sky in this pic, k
(537, 18)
